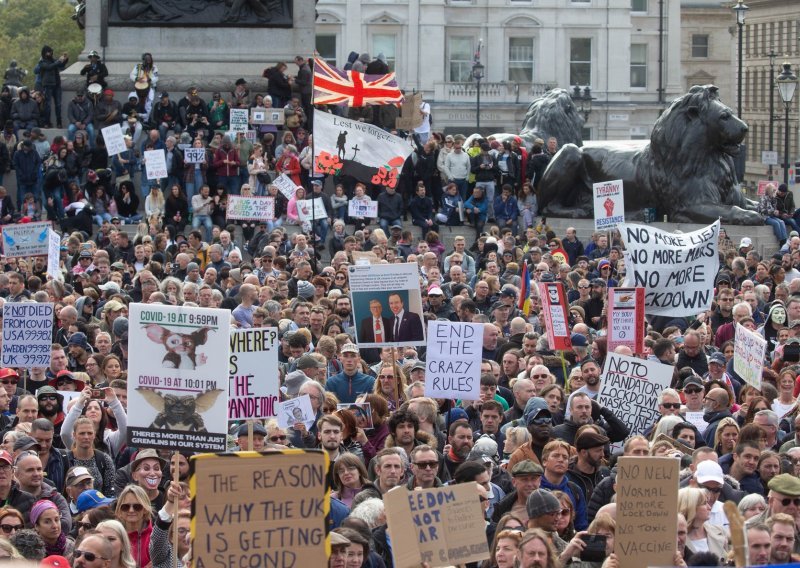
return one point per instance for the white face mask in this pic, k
(778, 316)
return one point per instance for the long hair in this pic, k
(125, 557)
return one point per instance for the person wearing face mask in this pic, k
(776, 320)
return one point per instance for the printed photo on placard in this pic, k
(362, 412)
(295, 410)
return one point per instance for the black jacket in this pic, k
(615, 429)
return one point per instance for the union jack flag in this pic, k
(332, 86)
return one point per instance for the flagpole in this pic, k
(313, 170)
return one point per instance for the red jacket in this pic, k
(222, 168)
(289, 164)
(140, 545)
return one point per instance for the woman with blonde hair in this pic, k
(726, 436)
(703, 536)
(516, 436)
(8, 552)
(505, 549)
(115, 533)
(135, 512)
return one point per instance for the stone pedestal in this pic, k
(210, 57)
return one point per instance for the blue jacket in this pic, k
(27, 164)
(481, 205)
(577, 497)
(348, 388)
(505, 210)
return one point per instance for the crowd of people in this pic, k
(536, 445)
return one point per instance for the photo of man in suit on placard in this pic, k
(376, 328)
(406, 326)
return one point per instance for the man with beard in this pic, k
(715, 408)
(461, 442)
(555, 461)
(593, 307)
(404, 428)
(329, 434)
(584, 410)
(51, 408)
(587, 469)
(781, 528)
(344, 311)
(482, 298)
(79, 351)
(536, 550)
(526, 477)
(539, 422)
(29, 473)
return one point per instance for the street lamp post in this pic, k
(771, 56)
(477, 74)
(584, 100)
(740, 9)
(787, 83)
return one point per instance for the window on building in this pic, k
(386, 44)
(638, 65)
(638, 5)
(580, 61)
(700, 45)
(326, 47)
(461, 58)
(520, 59)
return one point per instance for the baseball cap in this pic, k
(26, 443)
(54, 561)
(578, 340)
(745, 242)
(85, 254)
(435, 291)
(309, 362)
(717, 358)
(599, 282)
(349, 348)
(396, 226)
(506, 291)
(76, 474)
(418, 366)
(693, 380)
(110, 286)
(90, 499)
(708, 471)
(6, 457)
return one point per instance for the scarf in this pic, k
(59, 547)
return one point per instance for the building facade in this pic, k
(627, 51)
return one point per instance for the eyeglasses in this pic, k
(49, 396)
(10, 528)
(277, 438)
(565, 512)
(89, 556)
(790, 501)
(385, 376)
(715, 490)
(427, 465)
(671, 405)
(692, 391)
(183, 531)
(709, 399)
(125, 507)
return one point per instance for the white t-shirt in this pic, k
(426, 119)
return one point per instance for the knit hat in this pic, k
(541, 502)
(40, 507)
(305, 289)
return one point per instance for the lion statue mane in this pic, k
(685, 171)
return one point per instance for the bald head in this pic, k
(719, 396)
(517, 326)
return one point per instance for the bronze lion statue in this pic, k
(685, 171)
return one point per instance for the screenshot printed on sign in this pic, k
(559, 322)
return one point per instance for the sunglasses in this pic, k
(715, 490)
(128, 506)
(277, 438)
(542, 421)
(49, 396)
(385, 376)
(789, 501)
(692, 391)
(583, 287)
(89, 556)
(539, 376)
(427, 465)
(9, 382)
(671, 405)
(565, 512)
(84, 526)
(10, 528)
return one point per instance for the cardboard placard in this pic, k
(748, 355)
(155, 163)
(243, 208)
(554, 310)
(647, 511)
(262, 115)
(626, 318)
(26, 239)
(254, 382)
(676, 270)
(395, 287)
(453, 360)
(27, 334)
(443, 526)
(112, 136)
(238, 119)
(54, 256)
(260, 509)
(285, 185)
(194, 155)
(609, 205)
(306, 213)
(295, 410)
(410, 113)
(178, 378)
(630, 388)
(365, 208)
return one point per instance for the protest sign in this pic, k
(26, 239)
(27, 334)
(410, 113)
(306, 213)
(243, 208)
(609, 205)
(155, 162)
(442, 526)
(253, 509)
(295, 410)
(630, 388)
(387, 297)
(368, 257)
(676, 270)
(453, 360)
(112, 136)
(285, 185)
(54, 256)
(647, 511)
(362, 411)
(554, 310)
(238, 119)
(253, 373)
(762, 186)
(262, 115)
(697, 419)
(748, 355)
(194, 155)
(362, 208)
(176, 395)
(626, 318)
